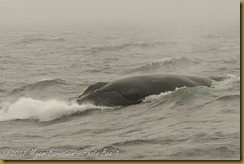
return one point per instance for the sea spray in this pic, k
(28, 108)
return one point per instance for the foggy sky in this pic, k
(15, 11)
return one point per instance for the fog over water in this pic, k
(16, 11)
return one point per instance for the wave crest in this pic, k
(126, 46)
(166, 63)
(40, 85)
(38, 39)
(31, 109)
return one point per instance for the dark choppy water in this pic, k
(44, 67)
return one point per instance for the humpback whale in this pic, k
(133, 89)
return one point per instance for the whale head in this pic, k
(99, 95)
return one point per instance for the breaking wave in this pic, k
(31, 109)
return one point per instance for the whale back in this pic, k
(141, 86)
(134, 89)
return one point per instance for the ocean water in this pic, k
(45, 67)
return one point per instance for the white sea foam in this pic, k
(161, 95)
(155, 97)
(227, 83)
(28, 108)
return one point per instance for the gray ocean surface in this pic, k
(44, 67)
